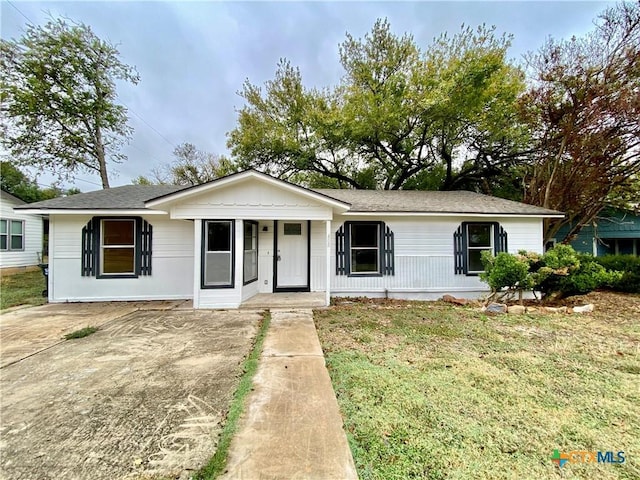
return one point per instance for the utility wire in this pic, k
(20, 12)
(150, 126)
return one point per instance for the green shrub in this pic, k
(559, 272)
(505, 271)
(628, 266)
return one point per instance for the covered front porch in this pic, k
(255, 235)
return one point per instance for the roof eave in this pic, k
(92, 211)
(396, 213)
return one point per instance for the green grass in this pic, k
(218, 462)
(83, 332)
(22, 288)
(432, 391)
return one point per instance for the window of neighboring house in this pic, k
(364, 243)
(11, 234)
(473, 238)
(217, 258)
(250, 273)
(118, 247)
(550, 244)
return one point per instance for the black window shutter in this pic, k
(89, 235)
(501, 239)
(458, 250)
(340, 252)
(389, 262)
(146, 233)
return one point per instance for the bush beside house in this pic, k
(558, 273)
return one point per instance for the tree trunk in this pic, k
(102, 162)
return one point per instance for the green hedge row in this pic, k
(629, 265)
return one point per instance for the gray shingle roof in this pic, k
(133, 197)
(128, 197)
(8, 196)
(431, 202)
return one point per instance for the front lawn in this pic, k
(432, 391)
(22, 288)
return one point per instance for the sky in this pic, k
(193, 57)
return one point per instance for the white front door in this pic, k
(292, 255)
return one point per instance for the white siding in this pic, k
(172, 264)
(32, 237)
(424, 257)
(318, 257)
(252, 200)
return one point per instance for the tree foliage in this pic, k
(583, 109)
(400, 118)
(18, 184)
(58, 95)
(191, 167)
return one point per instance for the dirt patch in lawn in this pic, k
(144, 396)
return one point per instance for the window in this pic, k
(364, 248)
(250, 273)
(118, 247)
(292, 229)
(479, 239)
(217, 257)
(473, 238)
(11, 234)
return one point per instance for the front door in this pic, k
(292, 256)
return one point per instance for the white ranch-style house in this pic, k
(225, 241)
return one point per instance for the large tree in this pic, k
(583, 109)
(58, 96)
(401, 117)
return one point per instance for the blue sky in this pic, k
(194, 56)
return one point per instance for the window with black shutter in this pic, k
(116, 247)
(364, 249)
(471, 239)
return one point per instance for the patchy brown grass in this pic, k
(433, 391)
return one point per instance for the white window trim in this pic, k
(102, 273)
(490, 248)
(376, 248)
(9, 234)
(253, 251)
(230, 283)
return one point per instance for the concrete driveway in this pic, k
(142, 397)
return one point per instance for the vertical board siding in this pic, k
(318, 256)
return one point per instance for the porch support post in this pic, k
(197, 261)
(328, 263)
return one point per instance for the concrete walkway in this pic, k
(292, 428)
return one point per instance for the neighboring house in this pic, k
(223, 242)
(20, 234)
(614, 231)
